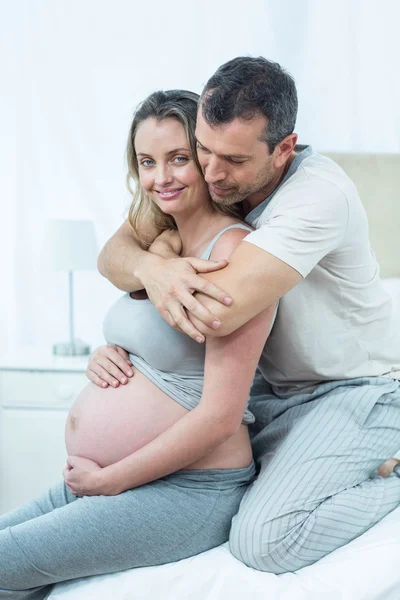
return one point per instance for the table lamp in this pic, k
(70, 246)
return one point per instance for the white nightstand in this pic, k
(36, 392)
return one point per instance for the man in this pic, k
(330, 413)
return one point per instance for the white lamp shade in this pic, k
(70, 246)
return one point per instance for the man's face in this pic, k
(235, 160)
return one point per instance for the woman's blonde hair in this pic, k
(176, 104)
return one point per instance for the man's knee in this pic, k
(246, 539)
(272, 545)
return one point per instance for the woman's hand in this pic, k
(109, 364)
(84, 477)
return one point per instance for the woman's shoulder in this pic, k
(230, 237)
(232, 223)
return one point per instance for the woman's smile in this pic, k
(167, 170)
(169, 194)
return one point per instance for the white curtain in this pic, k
(72, 72)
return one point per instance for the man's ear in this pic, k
(284, 149)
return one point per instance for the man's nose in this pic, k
(163, 175)
(214, 171)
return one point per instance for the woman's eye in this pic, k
(146, 162)
(181, 159)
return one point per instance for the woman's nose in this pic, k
(163, 175)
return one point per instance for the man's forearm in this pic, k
(254, 279)
(119, 260)
(168, 279)
(122, 258)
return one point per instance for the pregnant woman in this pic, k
(157, 467)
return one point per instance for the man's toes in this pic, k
(387, 467)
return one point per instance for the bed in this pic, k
(364, 569)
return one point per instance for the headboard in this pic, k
(377, 177)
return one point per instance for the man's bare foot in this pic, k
(387, 467)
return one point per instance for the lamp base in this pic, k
(76, 348)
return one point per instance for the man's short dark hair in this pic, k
(245, 87)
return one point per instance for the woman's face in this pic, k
(167, 170)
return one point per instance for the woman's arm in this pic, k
(109, 364)
(229, 370)
(230, 365)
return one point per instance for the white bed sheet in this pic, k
(365, 569)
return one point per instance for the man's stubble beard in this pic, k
(229, 199)
(239, 194)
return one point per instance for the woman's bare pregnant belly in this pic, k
(107, 425)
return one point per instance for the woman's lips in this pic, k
(169, 194)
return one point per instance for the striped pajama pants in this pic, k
(317, 487)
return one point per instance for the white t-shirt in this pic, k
(338, 322)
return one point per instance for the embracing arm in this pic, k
(122, 255)
(255, 279)
(307, 224)
(168, 279)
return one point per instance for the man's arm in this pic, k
(255, 279)
(169, 280)
(309, 222)
(122, 255)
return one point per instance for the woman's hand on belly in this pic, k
(84, 478)
(109, 365)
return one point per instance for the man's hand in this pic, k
(131, 268)
(109, 364)
(169, 245)
(170, 284)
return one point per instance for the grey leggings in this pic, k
(59, 537)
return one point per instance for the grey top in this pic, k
(170, 359)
